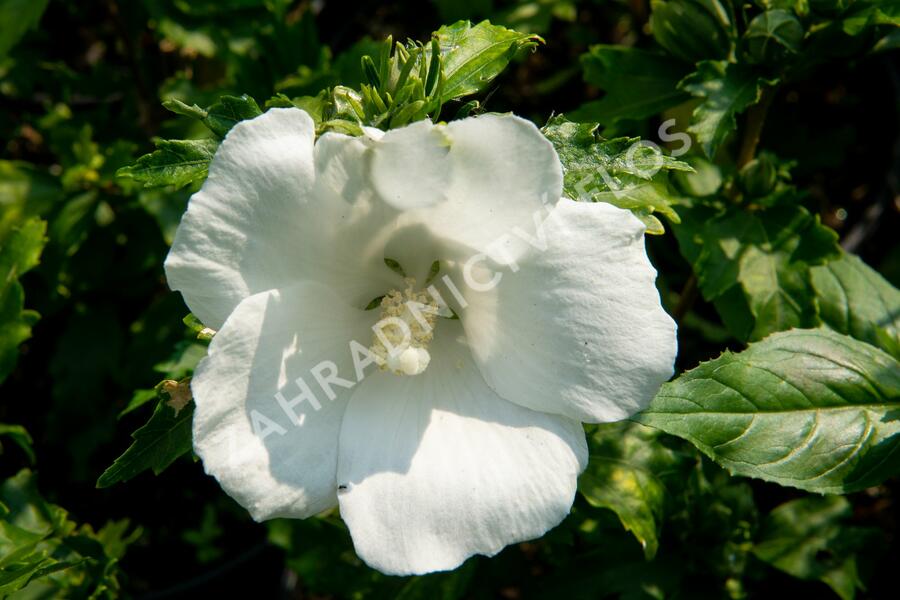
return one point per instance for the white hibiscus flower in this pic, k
(468, 438)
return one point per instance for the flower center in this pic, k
(405, 330)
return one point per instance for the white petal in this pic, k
(410, 165)
(579, 330)
(498, 173)
(277, 469)
(503, 171)
(436, 467)
(261, 222)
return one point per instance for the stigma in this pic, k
(404, 330)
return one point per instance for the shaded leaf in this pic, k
(637, 83)
(693, 30)
(808, 538)
(19, 435)
(754, 266)
(19, 253)
(773, 36)
(38, 540)
(25, 191)
(164, 438)
(17, 17)
(726, 90)
(623, 476)
(855, 300)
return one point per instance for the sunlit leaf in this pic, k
(175, 162)
(810, 409)
(621, 171)
(472, 55)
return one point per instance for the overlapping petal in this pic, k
(263, 459)
(410, 167)
(436, 468)
(579, 329)
(264, 220)
(504, 171)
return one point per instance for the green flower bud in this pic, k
(772, 37)
(758, 177)
(693, 30)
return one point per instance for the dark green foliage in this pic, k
(164, 438)
(20, 250)
(778, 259)
(638, 83)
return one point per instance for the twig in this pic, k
(686, 299)
(756, 118)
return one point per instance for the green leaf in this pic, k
(808, 539)
(726, 90)
(25, 191)
(17, 17)
(704, 181)
(773, 36)
(20, 252)
(863, 15)
(180, 108)
(313, 105)
(198, 329)
(394, 266)
(472, 55)
(177, 369)
(443, 586)
(29, 521)
(38, 540)
(164, 438)
(175, 162)
(810, 409)
(19, 435)
(222, 116)
(638, 84)
(621, 171)
(138, 399)
(754, 266)
(623, 476)
(229, 110)
(855, 300)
